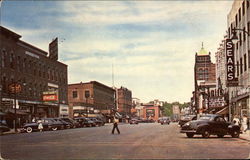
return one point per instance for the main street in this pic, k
(144, 141)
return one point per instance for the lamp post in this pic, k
(15, 88)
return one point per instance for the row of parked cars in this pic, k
(62, 123)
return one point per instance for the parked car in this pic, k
(66, 125)
(48, 124)
(144, 120)
(186, 119)
(3, 127)
(133, 121)
(97, 121)
(165, 120)
(85, 122)
(210, 124)
(73, 123)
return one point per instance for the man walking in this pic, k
(115, 126)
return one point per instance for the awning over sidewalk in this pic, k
(223, 111)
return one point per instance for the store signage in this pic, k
(15, 88)
(231, 80)
(217, 102)
(50, 96)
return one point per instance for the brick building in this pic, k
(90, 97)
(205, 79)
(124, 100)
(151, 111)
(34, 72)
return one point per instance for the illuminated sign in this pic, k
(50, 96)
(231, 80)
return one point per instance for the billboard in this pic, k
(50, 96)
(230, 67)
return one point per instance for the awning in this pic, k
(223, 111)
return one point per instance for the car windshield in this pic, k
(206, 118)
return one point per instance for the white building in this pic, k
(239, 18)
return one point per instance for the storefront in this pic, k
(241, 103)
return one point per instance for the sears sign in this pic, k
(230, 67)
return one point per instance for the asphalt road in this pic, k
(143, 141)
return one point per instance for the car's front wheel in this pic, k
(29, 129)
(235, 134)
(205, 134)
(190, 135)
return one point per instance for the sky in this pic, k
(150, 44)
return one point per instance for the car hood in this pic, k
(30, 124)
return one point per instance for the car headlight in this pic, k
(187, 124)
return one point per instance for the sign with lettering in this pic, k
(50, 96)
(230, 67)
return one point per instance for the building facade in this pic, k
(124, 99)
(90, 97)
(151, 111)
(26, 73)
(205, 80)
(239, 18)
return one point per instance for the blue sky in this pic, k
(151, 44)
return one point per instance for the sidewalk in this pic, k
(12, 131)
(246, 135)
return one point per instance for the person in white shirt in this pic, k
(115, 126)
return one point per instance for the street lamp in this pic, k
(235, 37)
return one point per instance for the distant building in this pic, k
(89, 98)
(136, 104)
(41, 80)
(124, 99)
(151, 111)
(205, 80)
(176, 111)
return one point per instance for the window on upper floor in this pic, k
(239, 14)
(248, 59)
(243, 8)
(241, 66)
(12, 59)
(74, 94)
(245, 62)
(240, 39)
(244, 35)
(4, 58)
(238, 66)
(236, 19)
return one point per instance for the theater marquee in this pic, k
(230, 67)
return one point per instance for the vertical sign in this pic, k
(53, 50)
(231, 80)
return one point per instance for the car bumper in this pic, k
(188, 131)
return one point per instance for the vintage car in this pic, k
(73, 123)
(97, 121)
(48, 124)
(66, 125)
(85, 122)
(164, 120)
(186, 119)
(3, 127)
(133, 121)
(210, 124)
